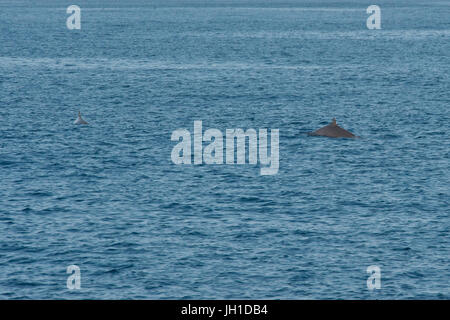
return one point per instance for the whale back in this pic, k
(332, 130)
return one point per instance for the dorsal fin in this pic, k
(80, 120)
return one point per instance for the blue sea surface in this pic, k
(107, 197)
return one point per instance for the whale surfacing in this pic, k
(79, 120)
(332, 130)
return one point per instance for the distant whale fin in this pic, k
(79, 120)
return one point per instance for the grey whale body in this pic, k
(332, 130)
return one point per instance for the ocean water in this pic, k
(107, 197)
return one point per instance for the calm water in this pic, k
(107, 197)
